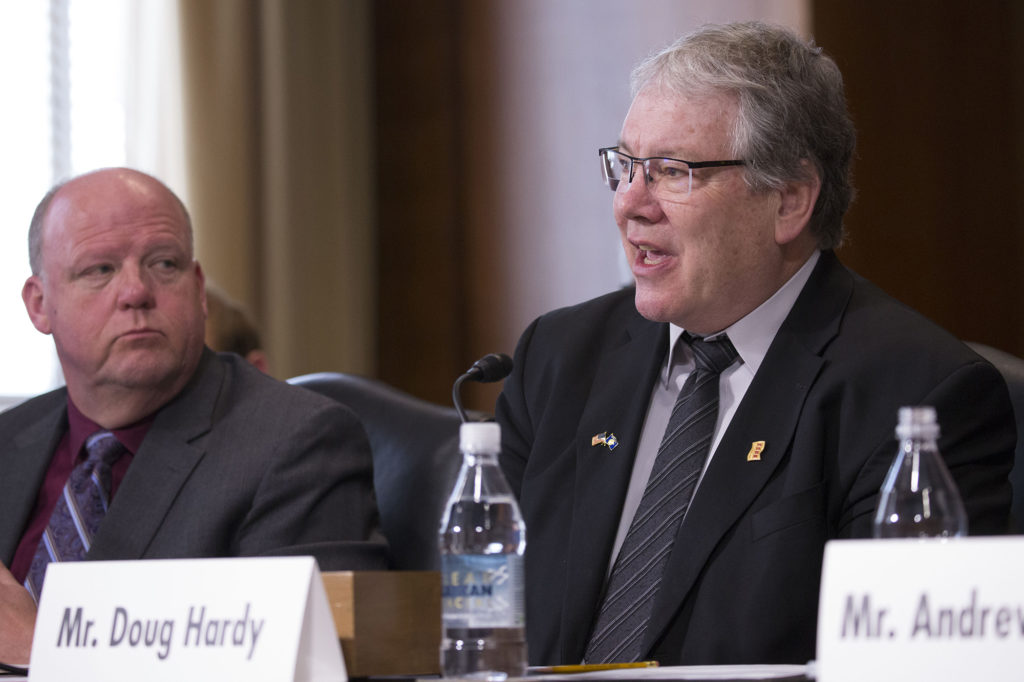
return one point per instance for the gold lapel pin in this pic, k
(756, 448)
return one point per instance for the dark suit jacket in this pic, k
(743, 578)
(238, 464)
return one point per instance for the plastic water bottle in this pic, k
(919, 497)
(482, 542)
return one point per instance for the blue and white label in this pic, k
(482, 591)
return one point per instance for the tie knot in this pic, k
(103, 447)
(714, 355)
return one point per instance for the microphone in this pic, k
(488, 369)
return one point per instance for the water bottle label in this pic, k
(482, 590)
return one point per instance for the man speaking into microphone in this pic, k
(682, 450)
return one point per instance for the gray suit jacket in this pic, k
(741, 584)
(238, 464)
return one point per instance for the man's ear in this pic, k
(32, 295)
(796, 205)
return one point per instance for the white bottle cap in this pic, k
(480, 437)
(917, 422)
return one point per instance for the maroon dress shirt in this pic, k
(67, 454)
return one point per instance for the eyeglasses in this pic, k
(669, 179)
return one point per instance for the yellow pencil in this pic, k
(591, 667)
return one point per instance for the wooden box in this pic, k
(389, 622)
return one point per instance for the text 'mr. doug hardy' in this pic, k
(200, 629)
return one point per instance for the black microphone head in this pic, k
(491, 367)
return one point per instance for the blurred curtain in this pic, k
(278, 112)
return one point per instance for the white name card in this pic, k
(910, 610)
(185, 619)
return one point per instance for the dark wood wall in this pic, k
(432, 71)
(935, 89)
(419, 239)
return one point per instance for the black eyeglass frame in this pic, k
(634, 161)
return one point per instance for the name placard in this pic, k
(911, 610)
(195, 619)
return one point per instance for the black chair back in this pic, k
(1012, 369)
(415, 460)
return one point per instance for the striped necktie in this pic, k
(637, 574)
(79, 510)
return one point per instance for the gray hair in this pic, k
(792, 108)
(35, 228)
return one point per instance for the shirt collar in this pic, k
(752, 334)
(81, 427)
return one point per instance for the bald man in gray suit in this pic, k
(219, 459)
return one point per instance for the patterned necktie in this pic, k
(79, 510)
(637, 573)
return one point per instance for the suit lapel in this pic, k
(769, 412)
(27, 458)
(616, 405)
(172, 449)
